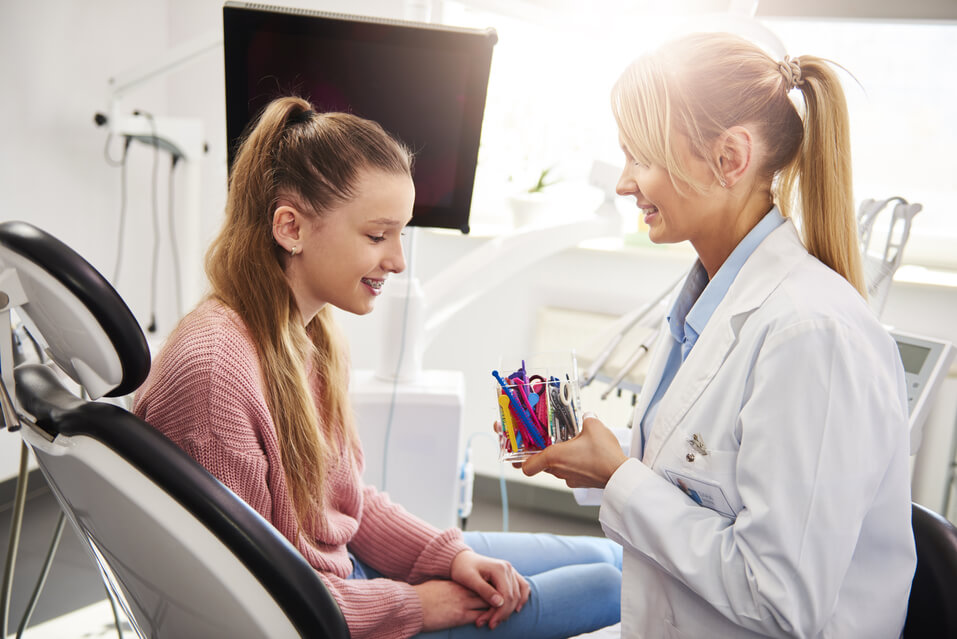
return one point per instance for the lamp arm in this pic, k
(489, 265)
(173, 58)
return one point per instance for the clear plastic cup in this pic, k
(539, 403)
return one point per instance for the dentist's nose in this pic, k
(627, 184)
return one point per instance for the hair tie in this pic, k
(791, 70)
(300, 117)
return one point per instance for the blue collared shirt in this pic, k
(696, 304)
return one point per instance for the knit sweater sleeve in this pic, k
(376, 608)
(400, 545)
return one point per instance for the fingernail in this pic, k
(497, 600)
(587, 415)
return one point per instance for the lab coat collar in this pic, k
(764, 270)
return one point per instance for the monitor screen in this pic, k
(425, 84)
(912, 356)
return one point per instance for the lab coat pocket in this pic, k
(709, 481)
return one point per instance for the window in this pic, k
(902, 117)
(548, 105)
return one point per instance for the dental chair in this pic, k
(932, 607)
(182, 554)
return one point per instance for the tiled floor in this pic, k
(73, 604)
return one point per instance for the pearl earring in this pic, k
(723, 184)
(294, 251)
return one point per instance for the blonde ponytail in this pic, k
(819, 183)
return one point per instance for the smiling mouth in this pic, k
(374, 284)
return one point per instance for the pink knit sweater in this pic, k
(205, 393)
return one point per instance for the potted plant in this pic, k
(533, 205)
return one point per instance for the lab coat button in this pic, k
(690, 457)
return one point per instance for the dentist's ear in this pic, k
(287, 228)
(734, 148)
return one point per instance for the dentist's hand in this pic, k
(586, 461)
(495, 581)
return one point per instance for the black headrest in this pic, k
(23, 244)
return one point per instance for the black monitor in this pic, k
(425, 84)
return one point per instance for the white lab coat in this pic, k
(797, 394)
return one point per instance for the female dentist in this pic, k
(767, 492)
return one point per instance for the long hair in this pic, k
(700, 85)
(313, 159)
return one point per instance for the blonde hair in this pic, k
(701, 85)
(313, 159)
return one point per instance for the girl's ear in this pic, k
(287, 228)
(734, 149)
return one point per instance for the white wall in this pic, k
(55, 59)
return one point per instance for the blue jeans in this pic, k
(575, 585)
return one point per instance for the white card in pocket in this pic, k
(703, 492)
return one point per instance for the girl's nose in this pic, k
(395, 261)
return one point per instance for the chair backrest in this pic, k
(185, 556)
(932, 608)
(84, 324)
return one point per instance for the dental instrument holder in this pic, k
(522, 434)
(184, 138)
(879, 268)
(627, 343)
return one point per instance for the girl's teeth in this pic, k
(376, 284)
